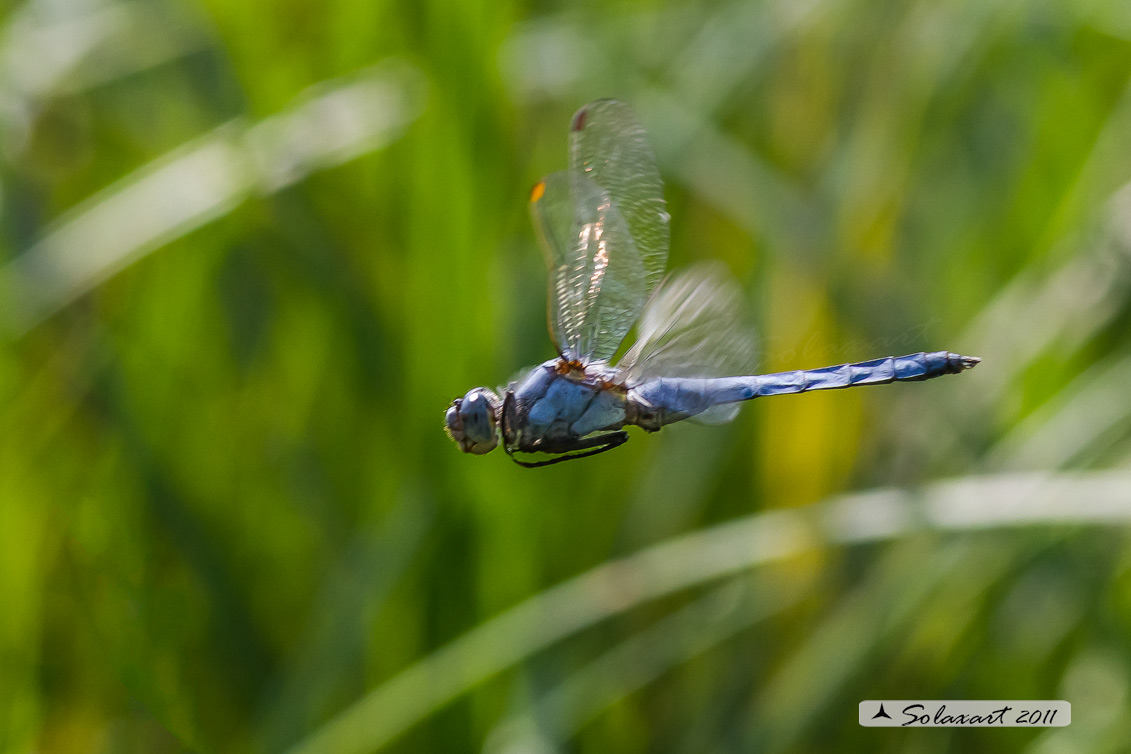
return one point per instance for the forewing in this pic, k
(694, 326)
(551, 210)
(609, 150)
(596, 280)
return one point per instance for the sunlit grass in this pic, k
(703, 557)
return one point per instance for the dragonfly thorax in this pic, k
(472, 420)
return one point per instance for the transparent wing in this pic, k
(597, 282)
(551, 211)
(604, 231)
(608, 145)
(694, 326)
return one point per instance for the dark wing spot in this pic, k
(579, 119)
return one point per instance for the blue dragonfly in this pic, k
(603, 229)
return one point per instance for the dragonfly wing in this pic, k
(551, 210)
(597, 282)
(608, 145)
(694, 326)
(604, 231)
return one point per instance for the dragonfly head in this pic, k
(472, 419)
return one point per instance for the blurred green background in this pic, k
(251, 250)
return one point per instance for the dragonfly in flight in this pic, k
(603, 228)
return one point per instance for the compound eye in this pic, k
(478, 415)
(471, 421)
(453, 424)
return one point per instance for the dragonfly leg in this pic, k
(590, 445)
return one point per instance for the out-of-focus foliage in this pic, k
(250, 250)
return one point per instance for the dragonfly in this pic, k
(604, 230)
